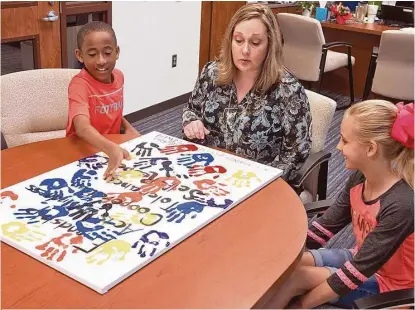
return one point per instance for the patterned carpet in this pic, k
(169, 122)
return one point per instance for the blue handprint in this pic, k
(190, 160)
(83, 178)
(88, 227)
(211, 203)
(94, 162)
(150, 242)
(179, 213)
(35, 215)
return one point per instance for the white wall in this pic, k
(148, 34)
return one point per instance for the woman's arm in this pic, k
(296, 125)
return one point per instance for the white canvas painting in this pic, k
(100, 233)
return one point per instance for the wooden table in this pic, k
(363, 37)
(237, 261)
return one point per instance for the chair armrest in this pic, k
(3, 143)
(336, 44)
(313, 161)
(319, 206)
(375, 51)
(386, 300)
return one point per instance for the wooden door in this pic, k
(36, 22)
(216, 16)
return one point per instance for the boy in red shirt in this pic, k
(96, 94)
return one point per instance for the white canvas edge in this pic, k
(50, 264)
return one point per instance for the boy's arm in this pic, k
(128, 128)
(116, 154)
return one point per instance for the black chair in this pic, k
(311, 179)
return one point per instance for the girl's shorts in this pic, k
(333, 259)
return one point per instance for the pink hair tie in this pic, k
(403, 127)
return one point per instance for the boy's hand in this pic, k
(116, 156)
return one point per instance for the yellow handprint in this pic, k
(108, 250)
(242, 178)
(19, 231)
(147, 219)
(130, 175)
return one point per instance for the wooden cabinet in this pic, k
(216, 16)
(285, 9)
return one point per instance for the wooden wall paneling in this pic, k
(19, 22)
(205, 26)
(222, 12)
(49, 36)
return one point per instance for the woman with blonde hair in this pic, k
(377, 140)
(246, 102)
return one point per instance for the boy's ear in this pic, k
(372, 149)
(78, 55)
(117, 50)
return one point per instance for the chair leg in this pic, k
(350, 67)
(369, 76)
(351, 86)
(322, 180)
(322, 66)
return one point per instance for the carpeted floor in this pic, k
(169, 122)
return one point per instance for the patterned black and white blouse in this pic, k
(273, 129)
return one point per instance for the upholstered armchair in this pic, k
(306, 53)
(391, 68)
(311, 180)
(34, 105)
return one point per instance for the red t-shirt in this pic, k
(102, 103)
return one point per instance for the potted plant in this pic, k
(306, 7)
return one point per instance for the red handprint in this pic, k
(209, 186)
(56, 245)
(124, 199)
(10, 195)
(199, 170)
(172, 149)
(162, 183)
